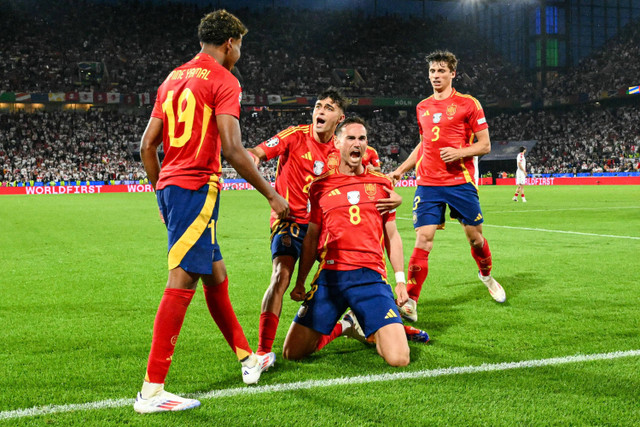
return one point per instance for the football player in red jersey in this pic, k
(449, 122)
(305, 152)
(350, 234)
(371, 160)
(195, 117)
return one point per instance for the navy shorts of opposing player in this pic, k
(191, 217)
(332, 292)
(286, 238)
(430, 202)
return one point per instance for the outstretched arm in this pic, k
(234, 152)
(307, 259)
(480, 148)
(407, 165)
(393, 244)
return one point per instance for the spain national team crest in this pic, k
(286, 241)
(353, 197)
(370, 189)
(318, 167)
(451, 111)
(436, 117)
(333, 161)
(272, 142)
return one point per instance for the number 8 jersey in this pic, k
(351, 228)
(450, 122)
(187, 103)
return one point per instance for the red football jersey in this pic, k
(450, 122)
(351, 228)
(187, 102)
(371, 157)
(301, 160)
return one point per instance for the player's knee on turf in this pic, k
(300, 342)
(391, 343)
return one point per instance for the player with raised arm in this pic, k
(195, 117)
(352, 235)
(521, 175)
(448, 122)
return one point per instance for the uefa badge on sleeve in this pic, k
(272, 142)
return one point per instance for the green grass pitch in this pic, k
(82, 276)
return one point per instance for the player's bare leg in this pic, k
(481, 253)
(300, 342)
(283, 266)
(391, 343)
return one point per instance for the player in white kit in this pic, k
(521, 175)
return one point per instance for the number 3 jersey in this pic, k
(450, 122)
(187, 103)
(301, 160)
(351, 228)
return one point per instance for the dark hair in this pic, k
(217, 27)
(336, 96)
(349, 121)
(522, 148)
(443, 56)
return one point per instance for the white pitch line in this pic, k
(544, 230)
(562, 232)
(607, 208)
(305, 385)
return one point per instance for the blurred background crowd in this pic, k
(293, 53)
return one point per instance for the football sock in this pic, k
(335, 333)
(418, 270)
(166, 329)
(267, 331)
(250, 361)
(483, 258)
(516, 195)
(219, 305)
(150, 389)
(522, 196)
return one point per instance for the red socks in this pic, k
(267, 331)
(483, 258)
(166, 329)
(326, 339)
(222, 312)
(418, 270)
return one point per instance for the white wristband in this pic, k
(400, 277)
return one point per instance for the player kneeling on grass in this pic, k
(352, 271)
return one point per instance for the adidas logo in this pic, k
(307, 155)
(334, 192)
(478, 218)
(391, 314)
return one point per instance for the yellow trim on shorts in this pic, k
(194, 231)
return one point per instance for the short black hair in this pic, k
(522, 148)
(336, 96)
(217, 27)
(349, 121)
(443, 56)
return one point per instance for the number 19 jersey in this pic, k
(187, 103)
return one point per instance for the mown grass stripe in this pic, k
(304, 385)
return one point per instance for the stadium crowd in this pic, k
(102, 145)
(65, 146)
(378, 56)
